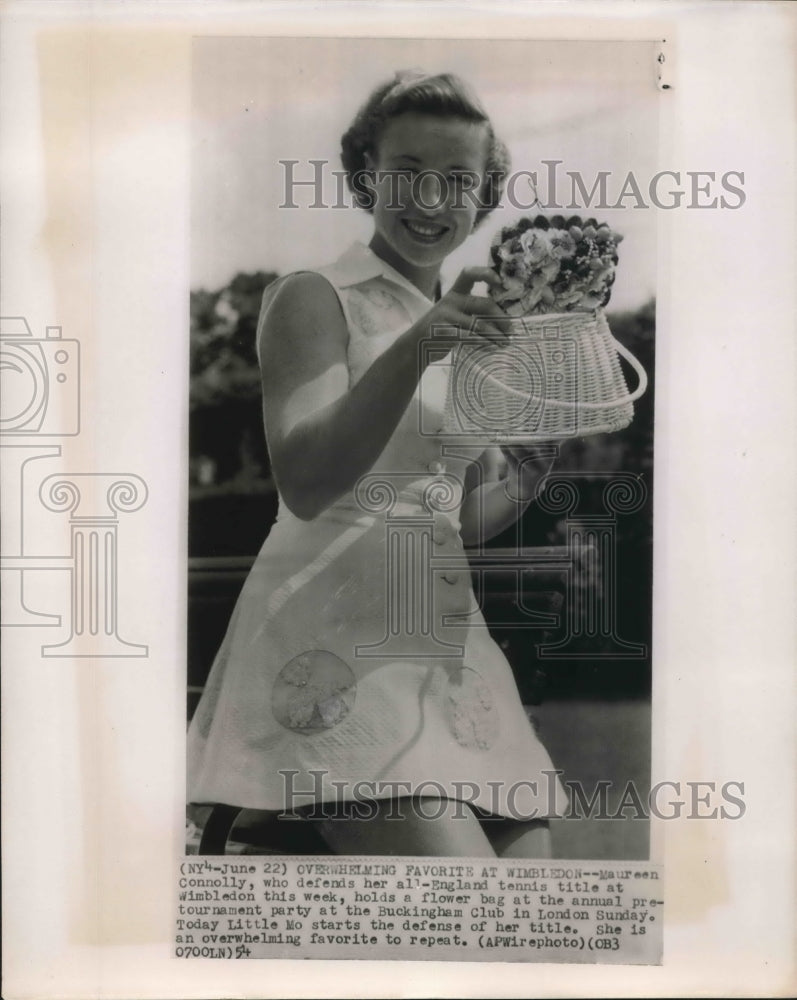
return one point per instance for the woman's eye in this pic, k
(462, 179)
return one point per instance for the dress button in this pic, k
(436, 468)
(450, 576)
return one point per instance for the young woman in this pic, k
(358, 680)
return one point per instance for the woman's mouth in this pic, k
(424, 232)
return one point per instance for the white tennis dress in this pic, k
(357, 662)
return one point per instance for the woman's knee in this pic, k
(521, 839)
(420, 826)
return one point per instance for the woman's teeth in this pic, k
(425, 230)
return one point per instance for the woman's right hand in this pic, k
(323, 433)
(476, 315)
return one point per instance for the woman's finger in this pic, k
(529, 455)
(483, 328)
(486, 309)
(473, 326)
(468, 277)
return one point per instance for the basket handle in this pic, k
(606, 404)
(641, 374)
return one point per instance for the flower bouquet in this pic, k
(556, 266)
(559, 376)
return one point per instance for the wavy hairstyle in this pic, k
(442, 94)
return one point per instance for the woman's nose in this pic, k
(430, 192)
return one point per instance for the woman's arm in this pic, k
(322, 435)
(510, 478)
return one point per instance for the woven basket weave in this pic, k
(558, 377)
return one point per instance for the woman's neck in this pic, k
(425, 279)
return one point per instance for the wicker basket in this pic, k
(559, 377)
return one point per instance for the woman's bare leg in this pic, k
(422, 827)
(519, 839)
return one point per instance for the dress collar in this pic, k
(359, 263)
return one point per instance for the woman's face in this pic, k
(429, 173)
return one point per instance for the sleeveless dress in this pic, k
(357, 663)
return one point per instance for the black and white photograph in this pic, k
(396, 436)
(420, 605)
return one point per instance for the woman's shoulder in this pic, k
(300, 285)
(303, 300)
(303, 292)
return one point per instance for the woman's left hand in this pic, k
(526, 466)
(504, 481)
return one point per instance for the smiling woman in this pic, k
(420, 212)
(418, 147)
(350, 662)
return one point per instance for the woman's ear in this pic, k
(368, 178)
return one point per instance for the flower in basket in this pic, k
(555, 379)
(556, 265)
